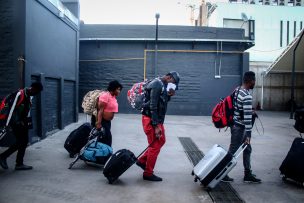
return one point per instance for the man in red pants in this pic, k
(153, 116)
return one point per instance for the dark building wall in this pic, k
(48, 44)
(52, 54)
(11, 44)
(102, 61)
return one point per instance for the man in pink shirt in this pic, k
(107, 106)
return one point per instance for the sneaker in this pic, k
(250, 178)
(23, 167)
(227, 179)
(141, 165)
(3, 163)
(152, 178)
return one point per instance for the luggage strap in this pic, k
(240, 150)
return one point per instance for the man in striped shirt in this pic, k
(241, 130)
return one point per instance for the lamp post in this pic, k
(156, 38)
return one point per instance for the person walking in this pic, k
(107, 106)
(19, 124)
(153, 116)
(241, 129)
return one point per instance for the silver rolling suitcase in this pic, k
(215, 165)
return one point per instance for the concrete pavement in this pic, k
(51, 181)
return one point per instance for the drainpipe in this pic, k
(156, 38)
(262, 90)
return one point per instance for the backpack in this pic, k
(89, 102)
(222, 113)
(136, 95)
(7, 103)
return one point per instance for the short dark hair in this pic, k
(37, 86)
(113, 85)
(249, 76)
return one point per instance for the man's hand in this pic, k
(157, 131)
(247, 140)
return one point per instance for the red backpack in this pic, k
(222, 113)
(7, 103)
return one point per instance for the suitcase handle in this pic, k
(240, 150)
(146, 148)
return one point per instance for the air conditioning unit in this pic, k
(266, 2)
(283, 2)
(298, 2)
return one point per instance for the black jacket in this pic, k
(156, 99)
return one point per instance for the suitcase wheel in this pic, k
(195, 179)
(208, 189)
(192, 173)
(111, 180)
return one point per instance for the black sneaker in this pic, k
(23, 167)
(152, 178)
(227, 179)
(3, 163)
(141, 165)
(250, 178)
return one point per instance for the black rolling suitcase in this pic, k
(119, 162)
(293, 165)
(299, 117)
(77, 139)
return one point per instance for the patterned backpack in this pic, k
(136, 95)
(89, 102)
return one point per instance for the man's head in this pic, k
(249, 79)
(36, 88)
(114, 87)
(173, 77)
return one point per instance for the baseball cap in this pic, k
(175, 75)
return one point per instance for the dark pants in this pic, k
(237, 139)
(107, 139)
(21, 134)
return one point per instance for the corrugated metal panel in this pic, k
(69, 102)
(51, 104)
(34, 135)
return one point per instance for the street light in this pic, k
(156, 38)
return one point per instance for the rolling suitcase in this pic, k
(119, 162)
(215, 165)
(77, 139)
(299, 118)
(293, 165)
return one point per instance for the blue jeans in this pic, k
(237, 139)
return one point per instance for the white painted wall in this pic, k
(267, 25)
